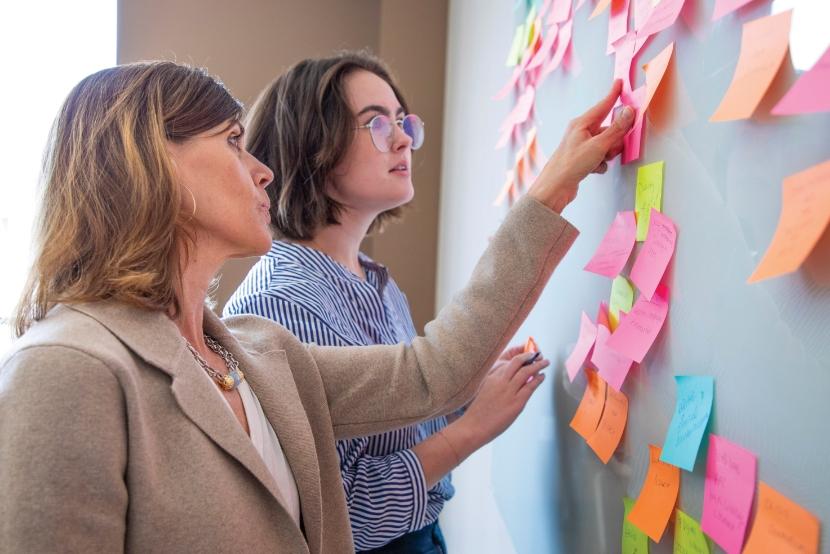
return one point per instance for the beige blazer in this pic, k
(112, 440)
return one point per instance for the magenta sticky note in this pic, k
(654, 257)
(727, 493)
(614, 250)
(637, 332)
(811, 93)
(613, 367)
(587, 336)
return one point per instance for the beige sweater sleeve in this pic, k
(376, 388)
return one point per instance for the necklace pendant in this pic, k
(228, 383)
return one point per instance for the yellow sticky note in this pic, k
(805, 213)
(634, 541)
(622, 298)
(649, 195)
(516, 48)
(688, 538)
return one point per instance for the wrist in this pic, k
(464, 437)
(555, 196)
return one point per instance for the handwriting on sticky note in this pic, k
(613, 367)
(622, 298)
(688, 537)
(613, 252)
(764, 45)
(727, 494)
(691, 414)
(648, 195)
(654, 506)
(637, 332)
(634, 541)
(811, 93)
(587, 415)
(606, 437)
(781, 526)
(584, 344)
(805, 213)
(655, 255)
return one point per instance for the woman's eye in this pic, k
(235, 140)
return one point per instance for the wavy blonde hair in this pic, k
(110, 223)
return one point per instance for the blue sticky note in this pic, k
(691, 414)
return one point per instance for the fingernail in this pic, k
(626, 114)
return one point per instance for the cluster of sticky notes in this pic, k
(601, 416)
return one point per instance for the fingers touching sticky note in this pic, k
(588, 413)
(614, 250)
(805, 213)
(691, 415)
(727, 494)
(781, 526)
(764, 45)
(655, 504)
(648, 195)
(655, 255)
(584, 344)
(611, 426)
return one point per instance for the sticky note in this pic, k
(642, 9)
(600, 7)
(563, 41)
(586, 417)
(723, 7)
(632, 142)
(616, 246)
(688, 424)
(805, 213)
(637, 332)
(654, 257)
(544, 49)
(530, 346)
(654, 506)
(727, 493)
(781, 526)
(509, 85)
(622, 298)
(515, 53)
(623, 55)
(608, 433)
(634, 541)
(764, 45)
(688, 538)
(648, 195)
(509, 183)
(811, 93)
(617, 23)
(613, 367)
(560, 11)
(655, 70)
(584, 344)
(662, 16)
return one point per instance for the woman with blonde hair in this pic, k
(132, 418)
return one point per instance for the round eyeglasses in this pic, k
(382, 129)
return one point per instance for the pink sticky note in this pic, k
(615, 248)
(617, 23)
(584, 344)
(509, 85)
(544, 51)
(634, 139)
(563, 41)
(635, 335)
(623, 54)
(655, 255)
(524, 105)
(560, 12)
(727, 493)
(642, 9)
(613, 367)
(723, 7)
(811, 93)
(662, 16)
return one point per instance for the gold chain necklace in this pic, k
(235, 375)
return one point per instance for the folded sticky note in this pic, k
(691, 414)
(587, 415)
(811, 93)
(614, 250)
(584, 344)
(764, 45)
(622, 298)
(608, 433)
(688, 538)
(781, 526)
(727, 494)
(805, 213)
(613, 367)
(648, 195)
(635, 335)
(655, 255)
(655, 504)
(634, 541)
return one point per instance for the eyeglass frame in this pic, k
(398, 123)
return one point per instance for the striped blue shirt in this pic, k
(321, 301)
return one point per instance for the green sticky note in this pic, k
(516, 49)
(649, 195)
(634, 541)
(622, 298)
(688, 538)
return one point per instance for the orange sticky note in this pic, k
(607, 437)
(505, 189)
(764, 44)
(805, 213)
(655, 70)
(781, 526)
(586, 418)
(601, 5)
(530, 345)
(655, 504)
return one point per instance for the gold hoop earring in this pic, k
(193, 199)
